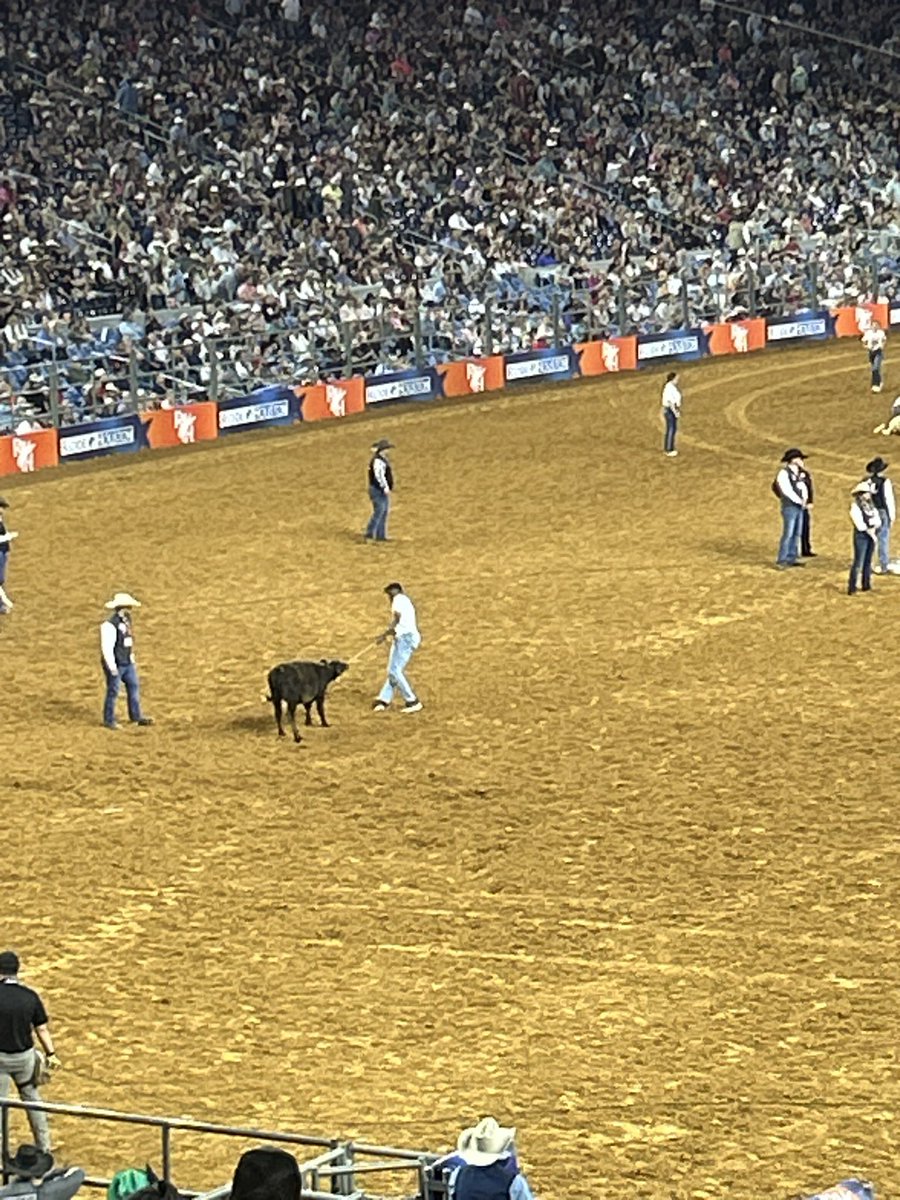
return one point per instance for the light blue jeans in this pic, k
(884, 541)
(792, 520)
(401, 652)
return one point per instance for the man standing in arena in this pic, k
(885, 506)
(6, 540)
(381, 484)
(406, 638)
(791, 491)
(22, 1017)
(873, 340)
(805, 486)
(671, 410)
(117, 657)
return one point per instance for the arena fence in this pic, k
(329, 1166)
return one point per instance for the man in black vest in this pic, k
(381, 484)
(22, 1017)
(885, 503)
(117, 657)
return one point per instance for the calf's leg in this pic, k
(320, 708)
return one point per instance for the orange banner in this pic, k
(851, 322)
(182, 425)
(472, 375)
(736, 337)
(336, 398)
(21, 453)
(604, 357)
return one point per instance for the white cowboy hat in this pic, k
(122, 600)
(864, 488)
(485, 1143)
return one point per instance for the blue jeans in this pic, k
(791, 525)
(876, 358)
(129, 676)
(884, 540)
(401, 652)
(4, 558)
(671, 429)
(863, 547)
(381, 504)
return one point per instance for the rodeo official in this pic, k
(117, 657)
(22, 1017)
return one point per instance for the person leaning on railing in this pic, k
(34, 1175)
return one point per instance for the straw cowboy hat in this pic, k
(122, 600)
(864, 488)
(485, 1142)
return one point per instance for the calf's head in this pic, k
(334, 667)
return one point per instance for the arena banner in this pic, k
(800, 326)
(606, 356)
(894, 313)
(681, 344)
(530, 366)
(110, 435)
(854, 321)
(275, 405)
(411, 384)
(336, 398)
(182, 425)
(470, 376)
(22, 453)
(736, 337)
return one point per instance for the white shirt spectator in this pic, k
(874, 339)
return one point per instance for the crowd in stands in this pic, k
(218, 173)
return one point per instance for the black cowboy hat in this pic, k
(791, 454)
(3, 502)
(382, 444)
(29, 1162)
(876, 466)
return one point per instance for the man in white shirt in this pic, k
(885, 505)
(671, 410)
(406, 638)
(117, 658)
(873, 340)
(791, 491)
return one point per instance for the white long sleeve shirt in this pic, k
(865, 519)
(874, 339)
(789, 485)
(671, 397)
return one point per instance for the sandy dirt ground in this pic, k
(628, 881)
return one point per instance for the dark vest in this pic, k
(483, 1183)
(373, 482)
(877, 482)
(4, 546)
(124, 647)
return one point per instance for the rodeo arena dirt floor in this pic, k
(628, 881)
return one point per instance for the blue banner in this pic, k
(110, 435)
(683, 344)
(404, 385)
(276, 405)
(800, 326)
(530, 366)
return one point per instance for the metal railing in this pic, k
(331, 1171)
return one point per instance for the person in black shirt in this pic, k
(805, 481)
(22, 1016)
(6, 540)
(381, 484)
